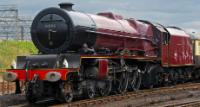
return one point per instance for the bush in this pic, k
(12, 48)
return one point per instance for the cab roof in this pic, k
(175, 31)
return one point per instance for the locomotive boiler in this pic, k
(60, 30)
(86, 55)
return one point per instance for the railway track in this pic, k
(186, 104)
(190, 104)
(115, 100)
(132, 95)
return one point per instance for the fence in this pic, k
(13, 25)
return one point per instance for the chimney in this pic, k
(66, 6)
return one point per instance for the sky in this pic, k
(181, 13)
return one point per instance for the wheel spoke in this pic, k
(121, 83)
(66, 92)
(106, 88)
(134, 81)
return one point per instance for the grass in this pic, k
(12, 48)
(1, 77)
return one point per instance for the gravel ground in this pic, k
(159, 99)
(146, 101)
(12, 99)
(175, 102)
(153, 100)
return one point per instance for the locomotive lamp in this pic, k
(10, 76)
(53, 76)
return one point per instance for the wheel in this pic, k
(173, 77)
(66, 92)
(104, 87)
(89, 90)
(159, 79)
(181, 75)
(17, 87)
(176, 77)
(188, 74)
(147, 80)
(196, 75)
(29, 93)
(150, 78)
(121, 82)
(135, 79)
(68, 97)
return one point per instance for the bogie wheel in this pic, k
(150, 78)
(29, 93)
(66, 92)
(90, 91)
(181, 75)
(188, 74)
(147, 80)
(147, 77)
(175, 78)
(68, 97)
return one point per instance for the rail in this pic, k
(190, 104)
(129, 97)
(194, 103)
(113, 98)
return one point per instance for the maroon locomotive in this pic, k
(85, 55)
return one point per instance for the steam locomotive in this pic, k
(86, 55)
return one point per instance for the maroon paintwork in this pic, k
(178, 52)
(115, 33)
(111, 31)
(118, 33)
